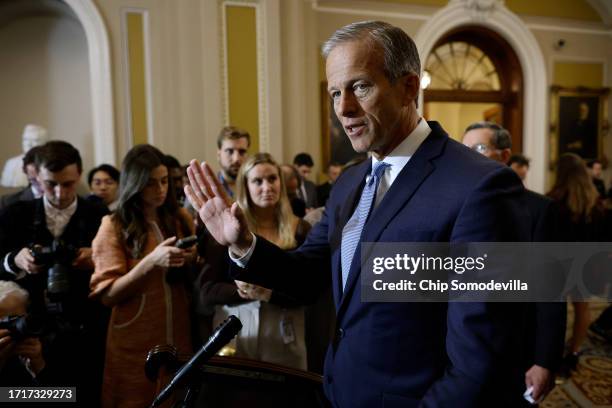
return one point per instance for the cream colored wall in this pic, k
(183, 52)
(44, 78)
(456, 117)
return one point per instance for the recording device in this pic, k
(221, 336)
(186, 242)
(23, 326)
(58, 258)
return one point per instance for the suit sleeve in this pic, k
(12, 236)
(301, 274)
(483, 341)
(550, 318)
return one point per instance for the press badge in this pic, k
(287, 331)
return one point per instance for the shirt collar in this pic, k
(50, 209)
(406, 149)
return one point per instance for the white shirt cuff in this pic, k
(18, 274)
(244, 260)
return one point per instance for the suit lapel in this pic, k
(40, 222)
(403, 188)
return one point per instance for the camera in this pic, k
(58, 259)
(24, 326)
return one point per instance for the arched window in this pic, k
(471, 75)
(461, 66)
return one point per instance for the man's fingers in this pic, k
(195, 181)
(537, 392)
(196, 203)
(200, 186)
(214, 184)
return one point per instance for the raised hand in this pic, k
(223, 219)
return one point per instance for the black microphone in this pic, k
(222, 335)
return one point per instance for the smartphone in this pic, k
(186, 242)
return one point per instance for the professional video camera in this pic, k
(58, 258)
(23, 326)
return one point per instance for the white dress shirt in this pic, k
(57, 219)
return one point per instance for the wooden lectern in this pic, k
(233, 382)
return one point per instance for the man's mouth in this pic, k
(355, 129)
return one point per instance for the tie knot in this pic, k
(378, 170)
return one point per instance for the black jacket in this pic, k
(545, 320)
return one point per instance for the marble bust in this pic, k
(13, 175)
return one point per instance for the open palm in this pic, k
(223, 219)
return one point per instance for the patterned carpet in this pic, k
(591, 384)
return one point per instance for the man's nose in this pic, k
(60, 192)
(347, 105)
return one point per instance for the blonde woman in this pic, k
(273, 323)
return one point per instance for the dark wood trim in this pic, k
(465, 96)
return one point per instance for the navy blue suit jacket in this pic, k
(413, 354)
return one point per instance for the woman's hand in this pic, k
(253, 292)
(167, 255)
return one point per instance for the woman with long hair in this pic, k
(273, 324)
(134, 255)
(581, 219)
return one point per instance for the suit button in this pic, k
(340, 333)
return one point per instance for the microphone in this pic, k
(222, 335)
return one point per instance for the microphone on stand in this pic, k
(222, 335)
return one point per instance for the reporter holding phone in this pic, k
(133, 252)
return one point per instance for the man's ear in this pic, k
(410, 83)
(505, 155)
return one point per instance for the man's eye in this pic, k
(361, 88)
(334, 94)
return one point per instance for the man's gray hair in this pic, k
(400, 53)
(9, 287)
(501, 137)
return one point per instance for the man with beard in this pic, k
(233, 144)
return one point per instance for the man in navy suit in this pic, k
(429, 188)
(545, 338)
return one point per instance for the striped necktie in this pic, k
(351, 233)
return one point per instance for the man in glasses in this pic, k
(489, 139)
(546, 320)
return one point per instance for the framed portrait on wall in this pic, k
(334, 141)
(578, 122)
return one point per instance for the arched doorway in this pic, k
(44, 75)
(475, 75)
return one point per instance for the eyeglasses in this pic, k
(482, 148)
